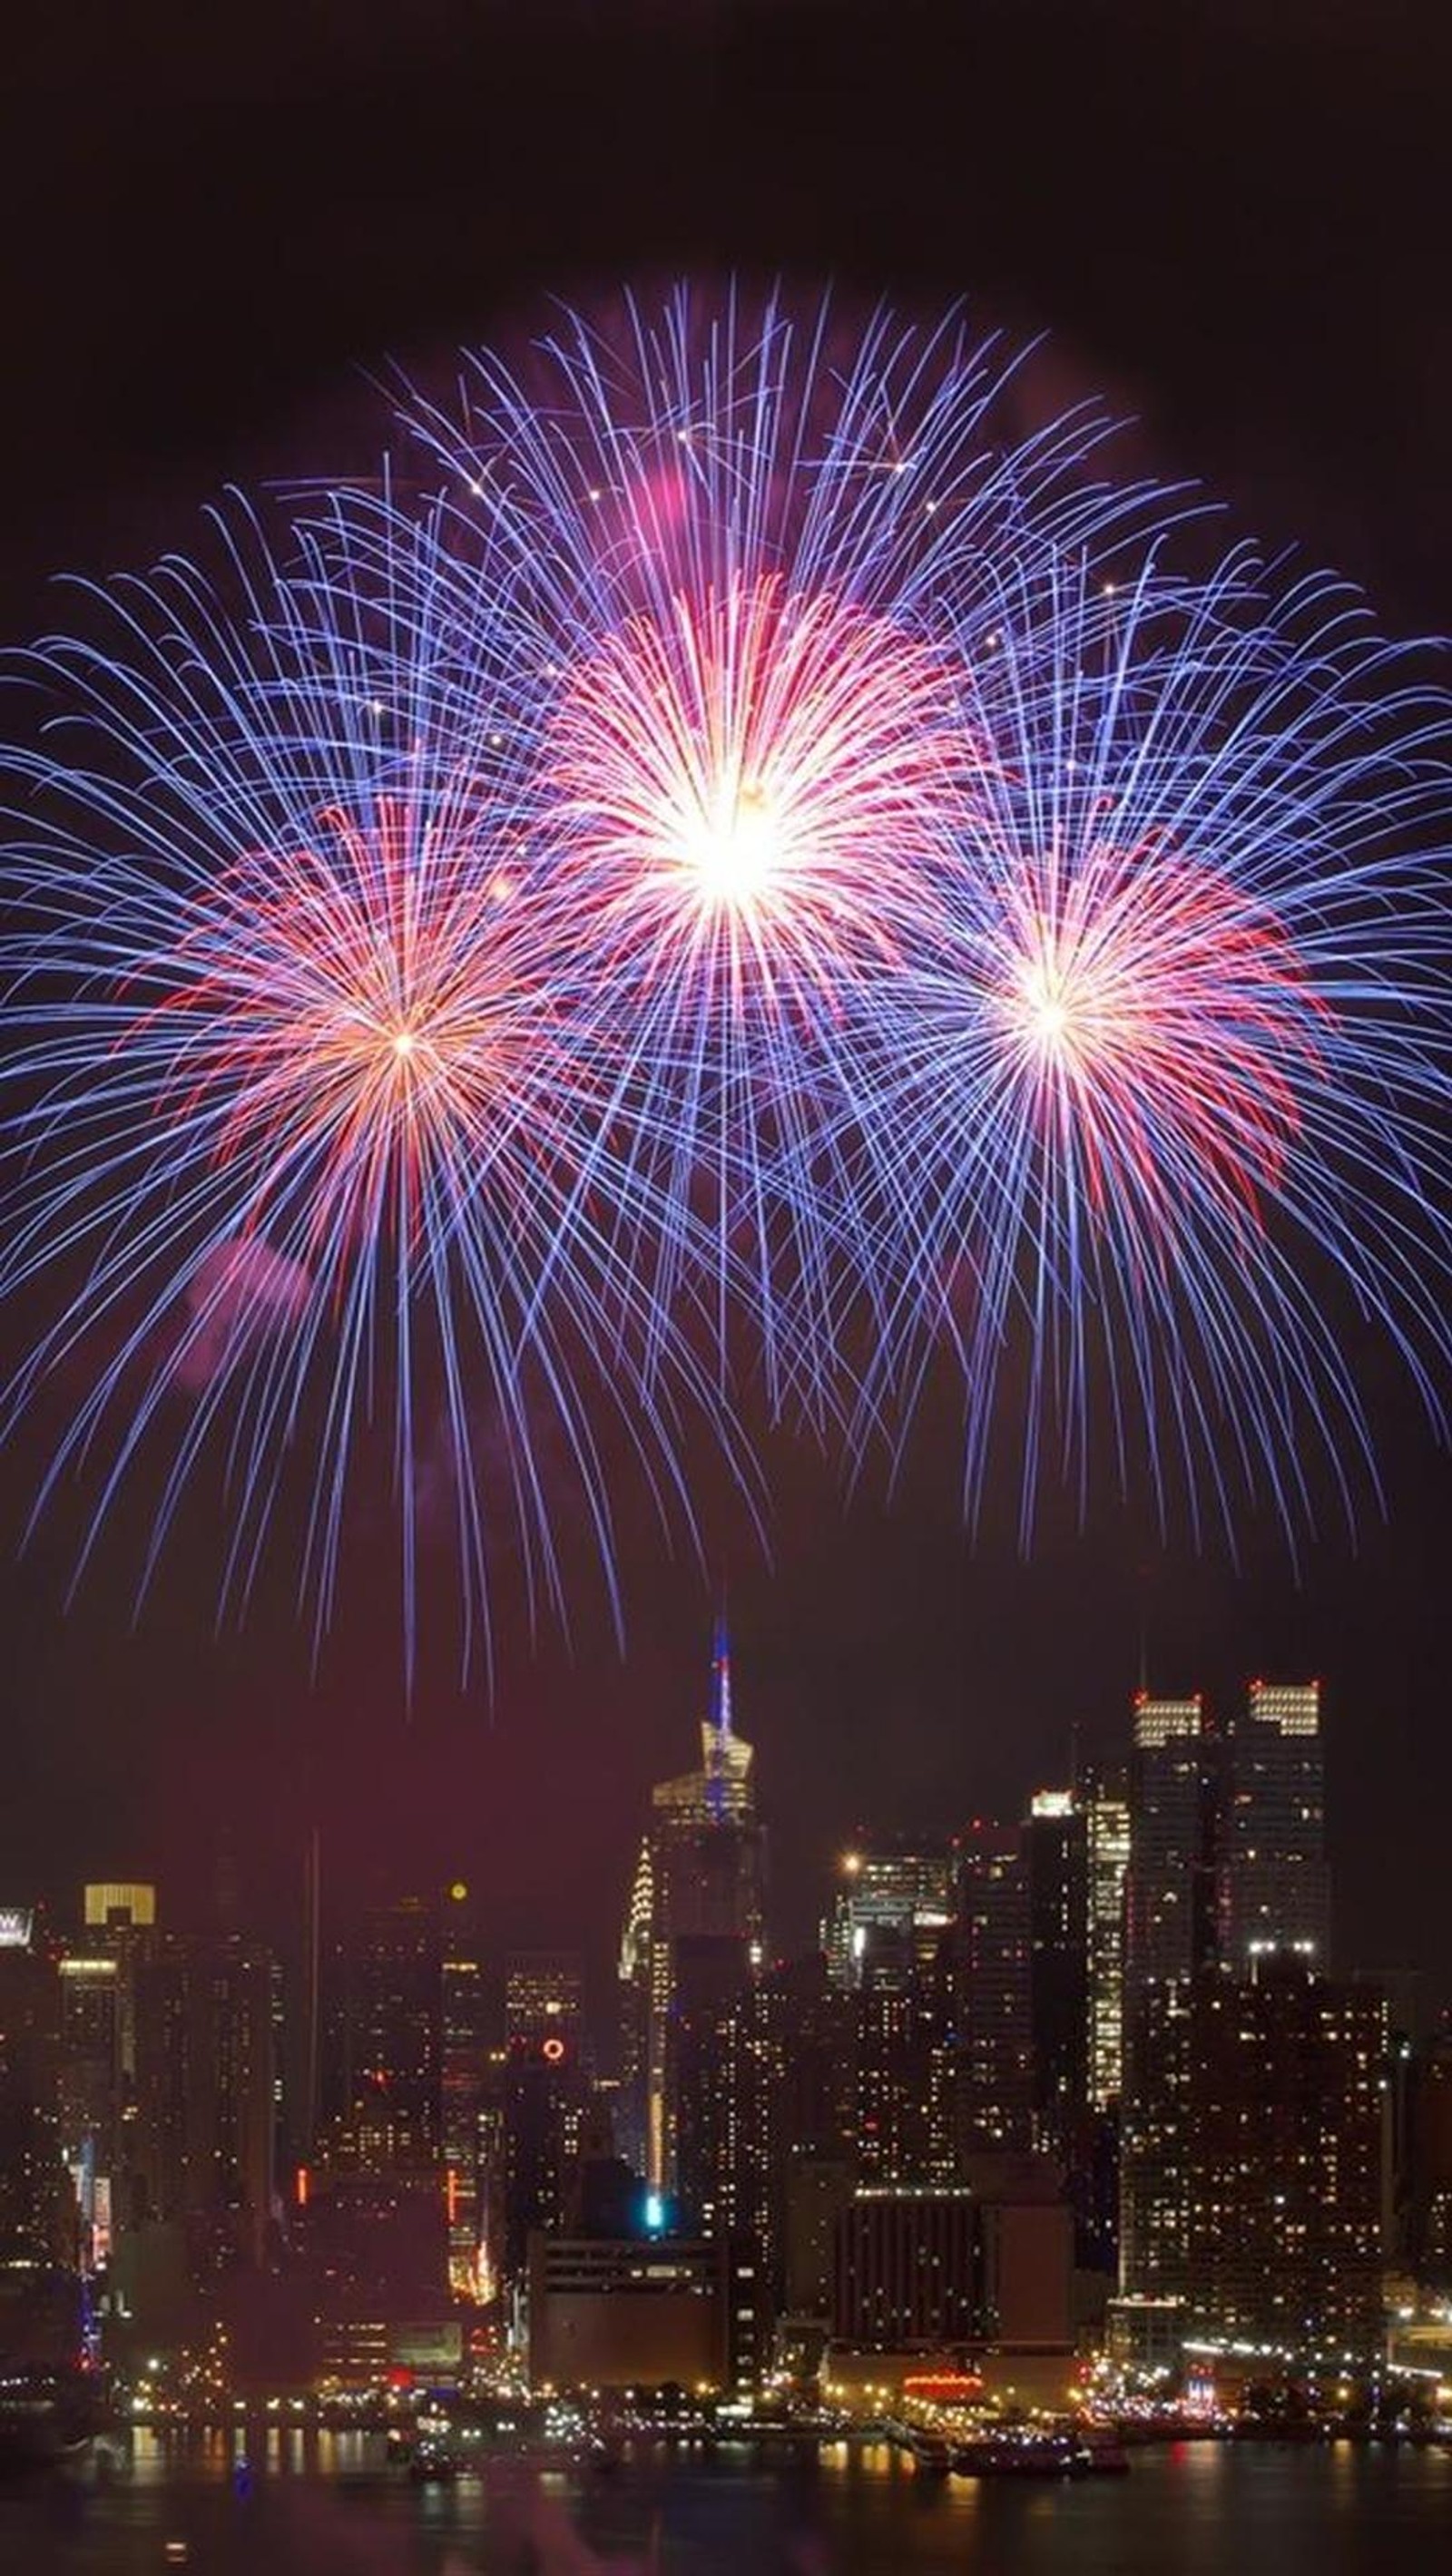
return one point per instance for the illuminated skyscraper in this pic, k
(199, 2134)
(1277, 1887)
(1170, 1919)
(119, 1904)
(37, 2203)
(1055, 1847)
(1171, 1929)
(995, 2103)
(706, 1881)
(544, 2095)
(1105, 1805)
(377, 2213)
(1264, 2095)
(91, 2086)
(889, 1894)
(464, 2068)
(394, 2002)
(632, 2122)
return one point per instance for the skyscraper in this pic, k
(889, 1892)
(992, 1944)
(200, 2127)
(90, 2087)
(1277, 1889)
(1056, 1851)
(37, 2208)
(704, 1881)
(543, 2096)
(465, 2056)
(395, 2030)
(1170, 1918)
(1104, 1800)
(635, 1989)
(1268, 2220)
(1171, 1925)
(377, 2210)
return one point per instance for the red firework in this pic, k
(365, 1009)
(1160, 1026)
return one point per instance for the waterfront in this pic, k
(327, 2507)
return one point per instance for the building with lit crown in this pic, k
(703, 1877)
(1276, 1879)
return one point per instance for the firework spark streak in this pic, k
(305, 1112)
(1165, 1087)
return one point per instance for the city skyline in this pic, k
(1172, 1752)
(1077, 2072)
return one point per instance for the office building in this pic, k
(544, 2089)
(463, 2076)
(1276, 1881)
(991, 1943)
(1253, 2171)
(1284, 2218)
(892, 1895)
(703, 1878)
(1056, 1853)
(639, 2313)
(199, 2135)
(38, 2221)
(988, 2261)
(1170, 1921)
(1104, 1802)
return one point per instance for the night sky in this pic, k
(217, 227)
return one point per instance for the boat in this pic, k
(930, 2452)
(1037, 2455)
(432, 2463)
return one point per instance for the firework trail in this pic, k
(1161, 1108)
(303, 1112)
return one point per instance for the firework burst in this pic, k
(743, 548)
(1162, 1103)
(304, 1111)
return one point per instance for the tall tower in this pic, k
(1169, 1923)
(1277, 1887)
(1170, 1936)
(993, 1939)
(631, 2124)
(1104, 1800)
(544, 2095)
(706, 1854)
(1056, 1850)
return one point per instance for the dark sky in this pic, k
(1231, 218)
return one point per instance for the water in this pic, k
(324, 2507)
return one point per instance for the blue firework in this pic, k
(1158, 1122)
(306, 1121)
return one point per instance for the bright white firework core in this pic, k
(403, 1044)
(1048, 1012)
(732, 846)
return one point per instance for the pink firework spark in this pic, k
(1159, 1024)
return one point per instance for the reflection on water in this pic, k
(278, 2500)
